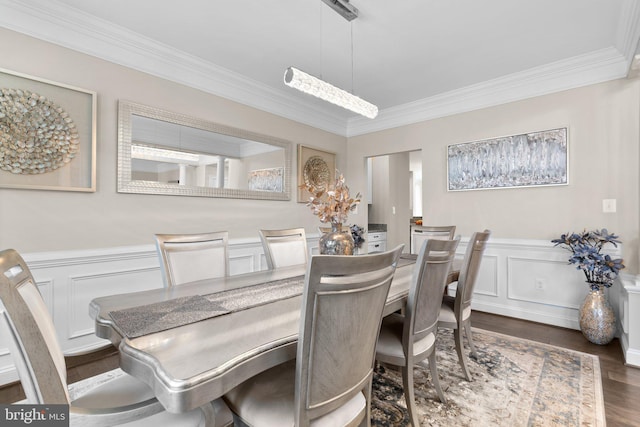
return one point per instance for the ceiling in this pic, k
(415, 59)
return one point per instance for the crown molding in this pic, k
(595, 67)
(54, 22)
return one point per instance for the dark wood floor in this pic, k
(620, 383)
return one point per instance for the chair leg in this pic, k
(409, 395)
(435, 378)
(457, 336)
(467, 330)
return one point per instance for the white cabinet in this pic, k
(417, 239)
(377, 242)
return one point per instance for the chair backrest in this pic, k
(442, 232)
(32, 338)
(283, 248)
(425, 293)
(469, 270)
(190, 257)
(342, 307)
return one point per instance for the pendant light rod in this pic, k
(319, 88)
(311, 85)
(344, 8)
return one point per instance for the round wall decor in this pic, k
(316, 173)
(36, 135)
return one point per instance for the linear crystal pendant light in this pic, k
(311, 85)
(314, 86)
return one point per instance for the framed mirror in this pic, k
(161, 152)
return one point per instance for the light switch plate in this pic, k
(608, 205)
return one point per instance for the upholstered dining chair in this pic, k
(190, 257)
(441, 232)
(283, 248)
(329, 382)
(408, 339)
(455, 312)
(41, 366)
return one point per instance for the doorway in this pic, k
(394, 184)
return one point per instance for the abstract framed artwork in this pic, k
(524, 160)
(47, 134)
(315, 167)
(271, 179)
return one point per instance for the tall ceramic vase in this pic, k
(597, 318)
(336, 242)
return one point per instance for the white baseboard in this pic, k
(531, 315)
(631, 355)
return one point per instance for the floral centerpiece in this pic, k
(333, 206)
(586, 248)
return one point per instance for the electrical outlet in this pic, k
(540, 283)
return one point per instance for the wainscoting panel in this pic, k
(84, 288)
(487, 282)
(544, 281)
(529, 279)
(239, 264)
(519, 278)
(46, 290)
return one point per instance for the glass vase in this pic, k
(597, 318)
(336, 242)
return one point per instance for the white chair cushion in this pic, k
(446, 311)
(186, 419)
(390, 338)
(119, 391)
(118, 386)
(268, 400)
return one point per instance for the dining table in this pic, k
(194, 342)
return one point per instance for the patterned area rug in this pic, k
(516, 382)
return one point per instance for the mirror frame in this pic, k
(128, 109)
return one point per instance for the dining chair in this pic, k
(455, 312)
(407, 339)
(191, 257)
(442, 232)
(421, 233)
(329, 382)
(32, 341)
(283, 248)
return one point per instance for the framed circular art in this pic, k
(315, 167)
